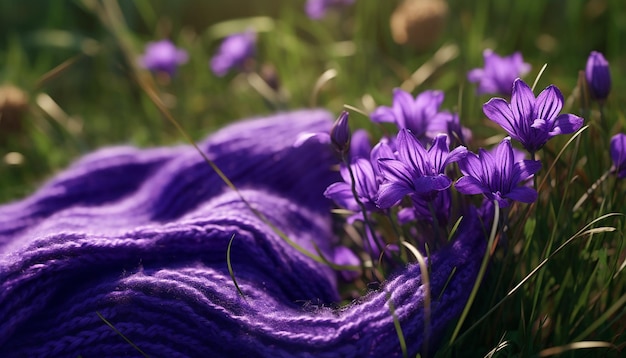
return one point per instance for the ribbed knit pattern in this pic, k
(140, 236)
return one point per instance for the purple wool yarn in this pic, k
(140, 237)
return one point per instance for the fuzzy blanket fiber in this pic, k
(139, 238)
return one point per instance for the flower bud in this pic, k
(598, 76)
(340, 133)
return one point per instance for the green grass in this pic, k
(75, 65)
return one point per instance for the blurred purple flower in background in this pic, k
(416, 172)
(316, 9)
(618, 154)
(163, 56)
(450, 124)
(532, 121)
(415, 114)
(360, 145)
(499, 73)
(598, 76)
(498, 176)
(233, 53)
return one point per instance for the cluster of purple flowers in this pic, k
(233, 54)
(235, 51)
(413, 171)
(405, 168)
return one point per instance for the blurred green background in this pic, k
(93, 99)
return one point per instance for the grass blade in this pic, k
(481, 272)
(230, 267)
(121, 335)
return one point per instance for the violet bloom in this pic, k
(233, 53)
(532, 121)
(366, 186)
(163, 56)
(417, 171)
(499, 73)
(598, 76)
(618, 154)
(316, 9)
(497, 176)
(415, 115)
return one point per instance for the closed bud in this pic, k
(598, 76)
(340, 133)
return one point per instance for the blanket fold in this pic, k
(139, 237)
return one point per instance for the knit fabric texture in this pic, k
(140, 236)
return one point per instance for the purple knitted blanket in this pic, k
(140, 237)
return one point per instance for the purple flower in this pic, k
(415, 115)
(316, 9)
(340, 133)
(163, 56)
(498, 176)
(532, 121)
(366, 186)
(416, 171)
(499, 73)
(598, 76)
(233, 53)
(618, 154)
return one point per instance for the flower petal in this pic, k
(395, 171)
(438, 153)
(549, 103)
(475, 75)
(383, 114)
(366, 184)
(432, 183)
(522, 102)
(469, 185)
(566, 123)
(499, 111)
(390, 194)
(524, 169)
(341, 193)
(523, 194)
(360, 145)
(428, 103)
(618, 151)
(472, 166)
(412, 153)
(504, 166)
(403, 107)
(406, 215)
